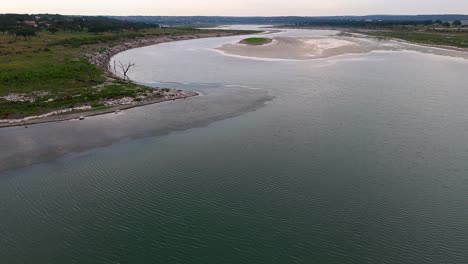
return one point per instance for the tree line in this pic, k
(377, 23)
(24, 25)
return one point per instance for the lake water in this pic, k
(358, 158)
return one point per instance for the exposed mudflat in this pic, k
(306, 48)
(297, 48)
(359, 158)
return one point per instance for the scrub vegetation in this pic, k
(432, 32)
(439, 38)
(43, 63)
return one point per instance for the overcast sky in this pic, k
(235, 7)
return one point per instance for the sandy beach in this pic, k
(300, 48)
(297, 48)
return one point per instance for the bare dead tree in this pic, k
(125, 68)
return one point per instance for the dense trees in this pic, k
(365, 23)
(97, 24)
(103, 24)
(375, 24)
(24, 31)
(7, 22)
(53, 23)
(289, 20)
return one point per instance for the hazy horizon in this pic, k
(238, 8)
(156, 15)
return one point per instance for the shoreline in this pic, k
(286, 48)
(84, 114)
(102, 60)
(444, 47)
(368, 33)
(343, 41)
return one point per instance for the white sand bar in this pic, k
(300, 48)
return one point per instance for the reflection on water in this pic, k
(354, 159)
(47, 141)
(187, 86)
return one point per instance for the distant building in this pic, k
(29, 23)
(45, 23)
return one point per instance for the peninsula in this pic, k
(57, 67)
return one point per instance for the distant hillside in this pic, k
(175, 20)
(15, 22)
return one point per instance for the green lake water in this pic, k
(352, 159)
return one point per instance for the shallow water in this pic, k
(350, 159)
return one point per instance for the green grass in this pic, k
(256, 41)
(70, 98)
(69, 74)
(444, 38)
(56, 64)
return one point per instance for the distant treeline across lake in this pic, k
(173, 20)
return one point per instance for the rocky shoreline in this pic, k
(102, 60)
(81, 113)
(112, 106)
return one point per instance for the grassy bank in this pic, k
(50, 71)
(452, 33)
(457, 39)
